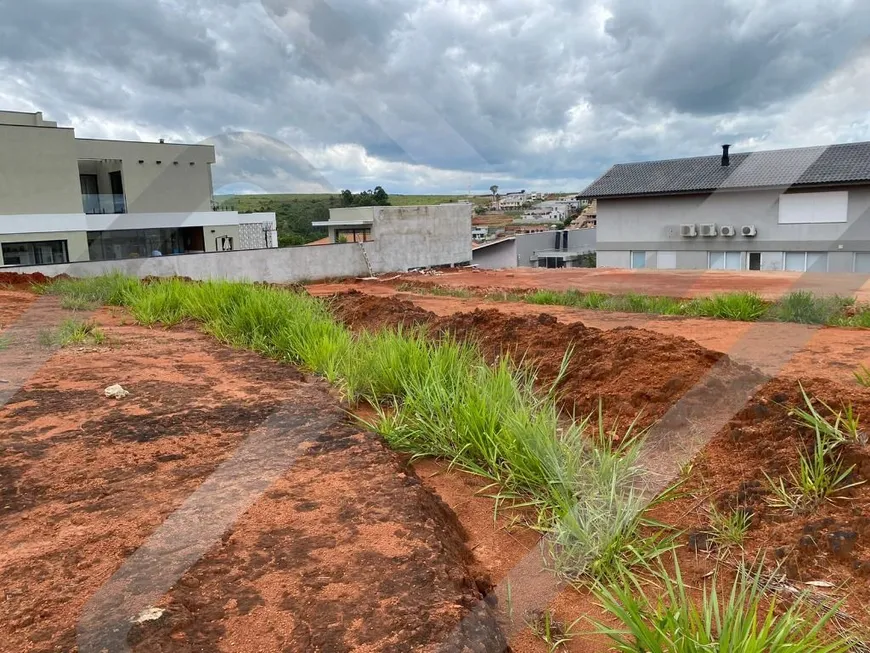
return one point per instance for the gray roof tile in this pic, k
(807, 166)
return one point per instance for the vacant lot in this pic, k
(344, 547)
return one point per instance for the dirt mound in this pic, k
(361, 311)
(19, 279)
(632, 371)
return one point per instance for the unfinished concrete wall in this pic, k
(406, 237)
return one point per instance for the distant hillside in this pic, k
(296, 211)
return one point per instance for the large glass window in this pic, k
(638, 260)
(862, 262)
(134, 243)
(44, 252)
(806, 261)
(795, 261)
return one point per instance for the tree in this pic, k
(480, 210)
(346, 198)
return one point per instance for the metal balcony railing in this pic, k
(103, 203)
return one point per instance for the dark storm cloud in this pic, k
(721, 57)
(427, 91)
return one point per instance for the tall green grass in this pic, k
(433, 398)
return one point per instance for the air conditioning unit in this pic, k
(748, 230)
(688, 230)
(708, 230)
(727, 230)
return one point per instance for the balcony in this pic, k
(97, 203)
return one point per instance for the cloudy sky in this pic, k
(441, 95)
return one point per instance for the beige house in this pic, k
(66, 199)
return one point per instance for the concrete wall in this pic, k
(582, 240)
(76, 242)
(496, 256)
(287, 265)
(406, 237)
(151, 187)
(38, 171)
(652, 224)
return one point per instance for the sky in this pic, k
(441, 96)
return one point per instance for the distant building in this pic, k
(66, 199)
(549, 249)
(805, 209)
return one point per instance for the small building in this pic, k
(65, 199)
(804, 209)
(479, 234)
(550, 249)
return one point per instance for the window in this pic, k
(638, 260)
(813, 208)
(806, 261)
(43, 252)
(724, 261)
(862, 262)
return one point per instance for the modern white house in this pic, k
(66, 199)
(803, 210)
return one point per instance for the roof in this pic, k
(808, 166)
(492, 242)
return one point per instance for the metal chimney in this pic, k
(726, 158)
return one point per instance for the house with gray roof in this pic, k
(805, 210)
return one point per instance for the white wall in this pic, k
(496, 256)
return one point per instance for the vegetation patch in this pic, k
(801, 307)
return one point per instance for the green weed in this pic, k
(5, 342)
(729, 529)
(804, 307)
(552, 632)
(743, 306)
(72, 332)
(670, 620)
(862, 376)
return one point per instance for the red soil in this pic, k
(344, 552)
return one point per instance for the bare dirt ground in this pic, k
(673, 283)
(347, 551)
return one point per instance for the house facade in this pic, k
(803, 210)
(66, 199)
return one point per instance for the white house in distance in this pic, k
(801, 210)
(65, 199)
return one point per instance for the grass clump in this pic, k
(862, 376)
(804, 307)
(742, 306)
(111, 289)
(550, 630)
(72, 332)
(5, 342)
(821, 473)
(667, 619)
(729, 529)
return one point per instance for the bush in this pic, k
(804, 307)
